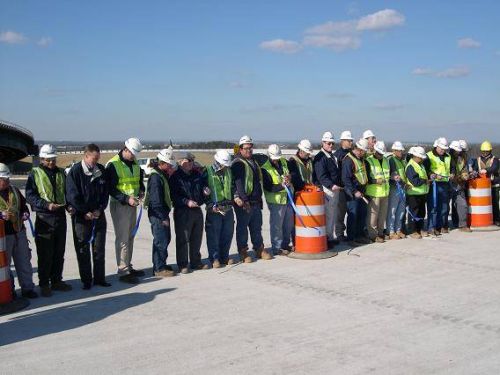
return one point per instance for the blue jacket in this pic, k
(157, 207)
(33, 196)
(185, 187)
(326, 170)
(351, 184)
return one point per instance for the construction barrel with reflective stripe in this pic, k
(480, 208)
(310, 227)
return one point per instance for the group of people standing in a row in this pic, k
(383, 194)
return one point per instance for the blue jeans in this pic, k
(252, 220)
(438, 211)
(281, 225)
(219, 231)
(395, 211)
(356, 218)
(161, 240)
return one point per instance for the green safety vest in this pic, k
(44, 186)
(249, 175)
(305, 170)
(422, 173)
(128, 182)
(220, 187)
(166, 190)
(279, 197)
(377, 171)
(14, 207)
(400, 167)
(439, 166)
(359, 169)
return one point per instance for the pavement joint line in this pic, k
(415, 313)
(450, 261)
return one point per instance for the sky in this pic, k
(277, 70)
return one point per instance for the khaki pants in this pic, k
(18, 249)
(377, 213)
(124, 218)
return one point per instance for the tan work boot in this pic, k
(244, 255)
(401, 234)
(424, 233)
(416, 235)
(165, 273)
(465, 229)
(379, 239)
(262, 253)
(444, 231)
(393, 236)
(216, 264)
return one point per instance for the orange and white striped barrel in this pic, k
(480, 209)
(310, 228)
(5, 285)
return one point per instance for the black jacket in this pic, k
(293, 168)
(86, 193)
(326, 170)
(351, 184)
(156, 195)
(238, 171)
(33, 197)
(185, 187)
(112, 179)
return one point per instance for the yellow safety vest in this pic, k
(359, 169)
(44, 186)
(422, 173)
(128, 181)
(378, 171)
(440, 167)
(279, 197)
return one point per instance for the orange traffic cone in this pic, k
(480, 205)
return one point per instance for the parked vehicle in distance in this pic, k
(144, 164)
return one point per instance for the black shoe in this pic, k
(102, 283)
(136, 273)
(61, 286)
(129, 279)
(87, 286)
(29, 294)
(46, 291)
(342, 238)
(331, 243)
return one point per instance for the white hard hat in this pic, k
(463, 145)
(223, 158)
(48, 152)
(397, 146)
(418, 151)
(455, 145)
(441, 143)
(327, 137)
(362, 144)
(167, 155)
(274, 152)
(134, 146)
(346, 136)
(4, 171)
(368, 134)
(380, 147)
(306, 146)
(245, 139)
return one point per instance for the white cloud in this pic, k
(281, 46)
(330, 27)
(454, 72)
(11, 37)
(336, 43)
(381, 20)
(44, 41)
(468, 43)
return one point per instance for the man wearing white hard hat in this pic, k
(378, 172)
(219, 222)
(355, 179)
(45, 192)
(276, 180)
(87, 193)
(440, 170)
(346, 142)
(397, 184)
(300, 165)
(459, 206)
(247, 180)
(416, 193)
(372, 139)
(126, 188)
(328, 175)
(14, 212)
(158, 202)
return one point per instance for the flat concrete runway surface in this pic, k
(428, 306)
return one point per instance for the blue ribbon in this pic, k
(295, 209)
(92, 234)
(137, 223)
(402, 195)
(434, 194)
(32, 227)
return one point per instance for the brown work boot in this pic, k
(46, 291)
(424, 233)
(165, 273)
(435, 232)
(416, 235)
(61, 286)
(216, 264)
(379, 239)
(465, 229)
(262, 253)
(401, 234)
(244, 255)
(393, 236)
(444, 231)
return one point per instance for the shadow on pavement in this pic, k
(72, 316)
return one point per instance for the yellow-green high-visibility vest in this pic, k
(166, 190)
(220, 187)
(279, 197)
(440, 167)
(248, 175)
(14, 206)
(128, 181)
(44, 186)
(305, 170)
(422, 173)
(400, 166)
(378, 169)
(359, 169)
